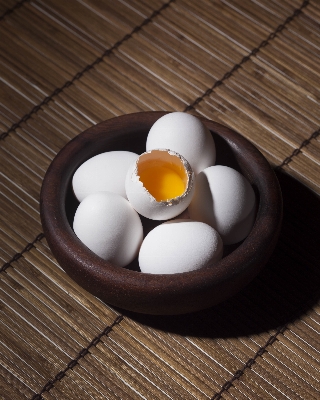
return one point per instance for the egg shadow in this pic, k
(286, 288)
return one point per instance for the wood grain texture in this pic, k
(66, 66)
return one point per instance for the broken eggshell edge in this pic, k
(145, 204)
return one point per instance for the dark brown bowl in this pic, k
(148, 293)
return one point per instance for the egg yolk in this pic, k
(164, 181)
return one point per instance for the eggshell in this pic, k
(144, 203)
(108, 225)
(103, 172)
(185, 134)
(179, 245)
(225, 200)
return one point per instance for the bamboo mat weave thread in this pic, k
(251, 65)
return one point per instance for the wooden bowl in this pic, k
(149, 293)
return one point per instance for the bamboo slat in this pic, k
(6, 6)
(64, 66)
(302, 165)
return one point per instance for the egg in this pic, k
(159, 185)
(225, 200)
(108, 225)
(103, 172)
(185, 134)
(180, 245)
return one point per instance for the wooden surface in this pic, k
(250, 65)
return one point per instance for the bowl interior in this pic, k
(127, 287)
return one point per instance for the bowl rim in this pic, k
(91, 271)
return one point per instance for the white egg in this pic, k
(108, 225)
(159, 185)
(103, 172)
(185, 134)
(179, 245)
(225, 200)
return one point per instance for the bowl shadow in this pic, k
(285, 289)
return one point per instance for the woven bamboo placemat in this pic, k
(251, 65)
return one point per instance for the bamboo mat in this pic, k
(250, 65)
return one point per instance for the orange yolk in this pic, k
(163, 181)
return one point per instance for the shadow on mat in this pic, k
(286, 288)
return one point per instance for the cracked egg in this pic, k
(159, 184)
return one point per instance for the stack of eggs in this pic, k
(176, 172)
